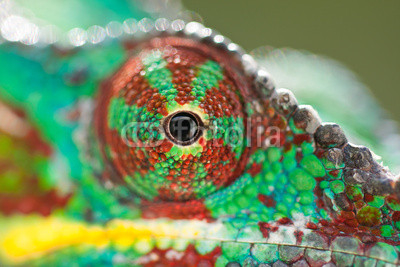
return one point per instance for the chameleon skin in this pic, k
(299, 195)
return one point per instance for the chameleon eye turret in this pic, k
(171, 121)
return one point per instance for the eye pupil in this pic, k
(183, 128)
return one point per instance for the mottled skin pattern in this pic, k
(79, 187)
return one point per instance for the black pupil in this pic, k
(183, 127)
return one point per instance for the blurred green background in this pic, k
(362, 34)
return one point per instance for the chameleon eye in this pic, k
(171, 121)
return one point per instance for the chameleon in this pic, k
(153, 141)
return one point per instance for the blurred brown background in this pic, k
(362, 34)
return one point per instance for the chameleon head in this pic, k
(171, 121)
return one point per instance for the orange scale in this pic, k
(152, 161)
(185, 185)
(140, 155)
(352, 223)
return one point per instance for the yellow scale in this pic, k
(37, 236)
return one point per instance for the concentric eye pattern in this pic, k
(183, 128)
(164, 120)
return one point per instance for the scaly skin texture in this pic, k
(78, 187)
